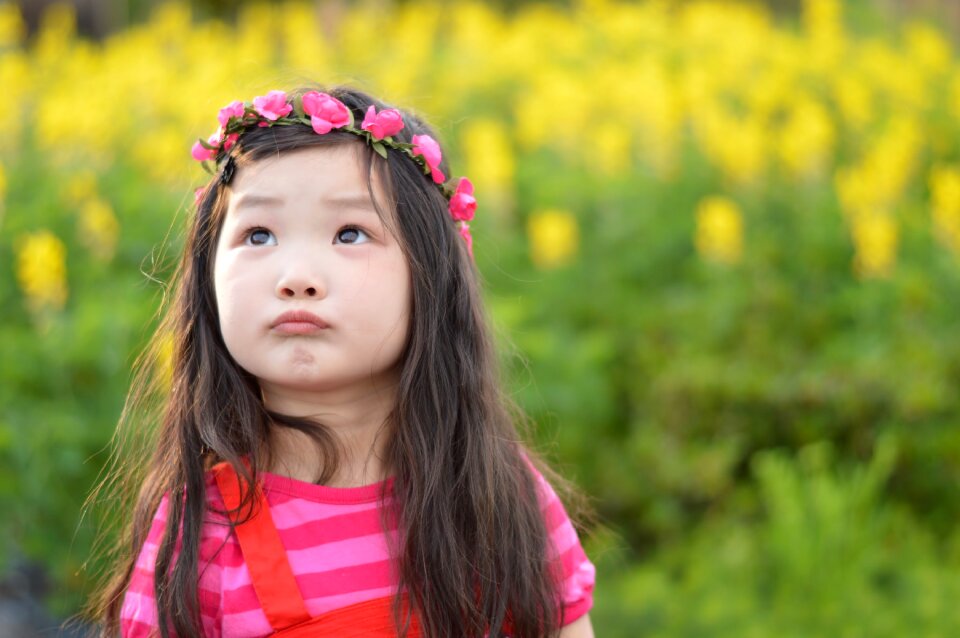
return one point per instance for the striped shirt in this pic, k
(337, 550)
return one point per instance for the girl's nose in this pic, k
(294, 285)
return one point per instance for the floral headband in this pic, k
(325, 113)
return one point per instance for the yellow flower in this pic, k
(42, 270)
(99, 228)
(736, 145)
(488, 154)
(928, 47)
(16, 79)
(159, 152)
(719, 234)
(807, 138)
(554, 238)
(880, 179)
(12, 27)
(80, 187)
(854, 99)
(823, 20)
(875, 238)
(611, 148)
(56, 36)
(945, 204)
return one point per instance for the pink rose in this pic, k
(463, 204)
(427, 147)
(383, 124)
(200, 152)
(467, 237)
(325, 112)
(234, 109)
(273, 105)
(198, 195)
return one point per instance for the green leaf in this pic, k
(379, 148)
(207, 145)
(298, 106)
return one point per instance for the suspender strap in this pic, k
(263, 552)
(368, 619)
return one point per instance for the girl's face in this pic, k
(301, 234)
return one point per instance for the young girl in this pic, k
(335, 456)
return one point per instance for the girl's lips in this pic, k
(297, 328)
(298, 322)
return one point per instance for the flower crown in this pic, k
(325, 113)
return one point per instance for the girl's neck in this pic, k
(294, 455)
(357, 417)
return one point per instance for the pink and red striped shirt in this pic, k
(338, 552)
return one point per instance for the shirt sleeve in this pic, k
(138, 612)
(579, 574)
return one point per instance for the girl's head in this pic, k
(375, 245)
(300, 221)
(366, 241)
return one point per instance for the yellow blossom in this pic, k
(56, 35)
(945, 205)
(554, 238)
(738, 146)
(854, 99)
(927, 47)
(42, 269)
(488, 154)
(719, 233)
(98, 228)
(807, 138)
(878, 181)
(823, 20)
(611, 149)
(16, 80)
(12, 27)
(875, 238)
(80, 187)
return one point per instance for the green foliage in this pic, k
(823, 556)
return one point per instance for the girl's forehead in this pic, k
(334, 175)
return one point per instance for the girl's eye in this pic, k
(352, 235)
(259, 237)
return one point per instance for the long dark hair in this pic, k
(473, 546)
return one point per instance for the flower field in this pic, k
(721, 249)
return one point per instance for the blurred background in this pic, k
(720, 243)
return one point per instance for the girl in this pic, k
(341, 458)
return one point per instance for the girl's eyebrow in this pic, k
(356, 201)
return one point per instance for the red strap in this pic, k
(367, 619)
(264, 554)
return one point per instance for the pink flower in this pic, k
(467, 237)
(383, 124)
(463, 204)
(427, 147)
(230, 140)
(198, 196)
(234, 109)
(273, 105)
(325, 112)
(201, 153)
